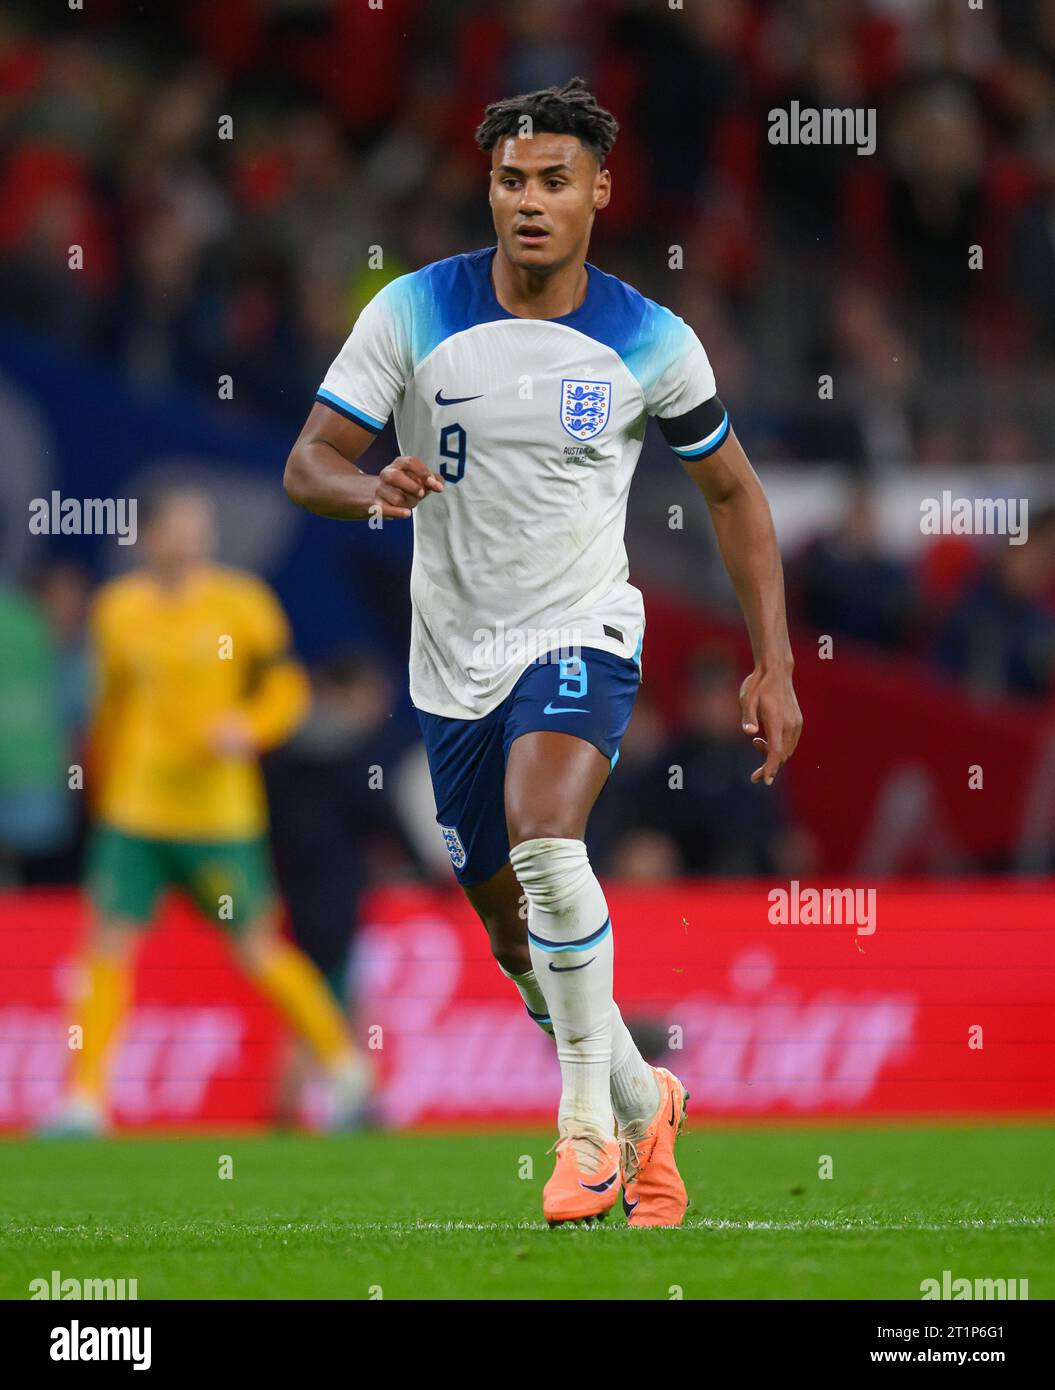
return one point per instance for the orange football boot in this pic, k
(653, 1192)
(585, 1181)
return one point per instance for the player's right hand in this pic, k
(402, 484)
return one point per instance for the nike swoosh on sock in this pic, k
(567, 969)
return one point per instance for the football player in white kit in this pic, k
(521, 379)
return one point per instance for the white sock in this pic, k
(633, 1087)
(635, 1090)
(534, 999)
(570, 939)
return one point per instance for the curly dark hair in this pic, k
(568, 110)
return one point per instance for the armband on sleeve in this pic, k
(699, 431)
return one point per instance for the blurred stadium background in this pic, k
(249, 257)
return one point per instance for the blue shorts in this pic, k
(590, 696)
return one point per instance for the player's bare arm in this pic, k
(748, 543)
(322, 474)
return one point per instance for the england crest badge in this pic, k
(455, 848)
(584, 407)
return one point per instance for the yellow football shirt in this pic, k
(171, 665)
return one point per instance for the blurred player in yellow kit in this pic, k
(194, 679)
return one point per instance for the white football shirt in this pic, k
(536, 426)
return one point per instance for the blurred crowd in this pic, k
(981, 610)
(983, 613)
(350, 131)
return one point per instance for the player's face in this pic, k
(181, 534)
(545, 190)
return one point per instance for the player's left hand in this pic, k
(768, 705)
(231, 736)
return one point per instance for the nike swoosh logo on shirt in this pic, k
(564, 709)
(441, 399)
(567, 969)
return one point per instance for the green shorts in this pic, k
(230, 881)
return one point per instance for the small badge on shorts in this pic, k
(455, 848)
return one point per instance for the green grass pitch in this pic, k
(449, 1216)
